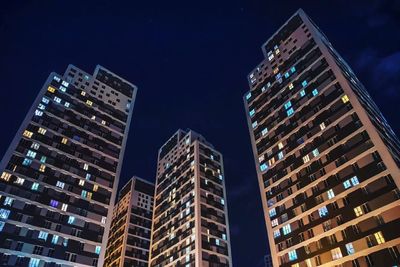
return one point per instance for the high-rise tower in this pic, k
(327, 161)
(60, 174)
(129, 239)
(190, 217)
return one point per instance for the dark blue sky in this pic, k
(190, 62)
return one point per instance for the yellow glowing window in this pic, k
(89, 103)
(379, 238)
(42, 168)
(89, 195)
(42, 131)
(271, 161)
(291, 86)
(27, 134)
(322, 126)
(83, 93)
(51, 89)
(280, 145)
(95, 187)
(5, 176)
(358, 211)
(276, 70)
(345, 99)
(296, 265)
(64, 140)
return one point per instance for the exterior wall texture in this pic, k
(327, 161)
(190, 217)
(60, 174)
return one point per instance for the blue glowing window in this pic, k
(4, 214)
(54, 240)
(292, 255)
(263, 167)
(302, 93)
(2, 225)
(288, 104)
(43, 235)
(54, 203)
(323, 211)
(293, 69)
(315, 92)
(45, 100)
(278, 76)
(35, 186)
(287, 229)
(71, 219)
(304, 83)
(27, 162)
(248, 96)
(272, 212)
(34, 262)
(252, 112)
(315, 152)
(287, 75)
(280, 155)
(264, 131)
(57, 99)
(346, 184)
(290, 112)
(97, 250)
(254, 124)
(354, 180)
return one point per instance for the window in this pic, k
(85, 166)
(65, 83)
(43, 159)
(34, 262)
(304, 83)
(89, 103)
(5, 176)
(81, 182)
(42, 168)
(315, 152)
(306, 158)
(280, 145)
(64, 207)
(293, 69)
(35, 186)
(4, 214)
(336, 253)
(264, 131)
(292, 255)
(277, 233)
(263, 167)
(330, 194)
(51, 89)
(45, 100)
(322, 126)
(19, 181)
(71, 219)
(63, 89)
(64, 141)
(54, 240)
(84, 193)
(8, 201)
(272, 212)
(252, 112)
(350, 248)
(288, 104)
(27, 134)
(95, 187)
(302, 93)
(2, 225)
(287, 75)
(83, 93)
(35, 146)
(323, 211)
(97, 250)
(379, 238)
(27, 162)
(248, 96)
(60, 184)
(254, 124)
(315, 92)
(274, 222)
(57, 99)
(346, 184)
(354, 180)
(54, 203)
(42, 131)
(358, 211)
(291, 86)
(287, 229)
(290, 112)
(345, 99)
(38, 113)
(43, 235)
(280, 155)
(66, 104)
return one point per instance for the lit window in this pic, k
(60, 184)
(6, 176)
(19, 181)
(302, 93)
(315, 92)
(65, 242)
(261, 158)
(83, 93)
(331, 194)
(379, 238)
(224, 236)
(54, 240)
(288, 104)
(65, 83)
(272, 212)
(43, 235)
(84, 193)
(287, 75)
(45, 100)
(42, 168)
(264, 131)
(27, 162)
(350, 248)
(41, 106)
(63, 89)
(71, 219)
(280, 145)
(8, 201)
(252, 112)
(291, 86)
(42, 131)
(345, 99)
(248, 96)
(290, 112)
(85, 166)
(336, 253)
(56, 79)
(315, 152)
(280, 155)
(103, 122)
(293, 69)
(103, 220)
(51, 89)
(254, 124)
(38, 113)
(88, 175)
(97, 250)
(64, 140)
(323, 211)
(271, 161)
(89, 103)
(274, 222)
(2, 225)
(217, 242)
(322, 126)
(306, 158)
(4, 214)
(54, 203)
(95, 187)
(31, 154)
(358, 211)
(304, 83)
(263, 167)
(354, 180)
(346, 184)
(277, 233)
(35, 186)
(35, 146)
(81, 182)
(287, 229)
(64, 207)
(222, 201)
(34, 262)
(66, 104)
(292, 255)
(27, 134)
(57, 99)
(43, 159)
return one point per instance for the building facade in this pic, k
(60, 174)
(327, 160)
(129, 239)
(190, 217)
(268, 260)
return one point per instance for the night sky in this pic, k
(190, 61)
